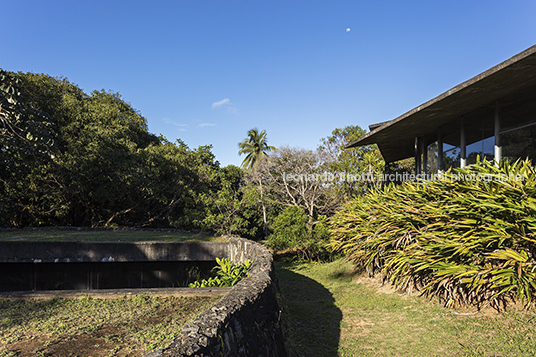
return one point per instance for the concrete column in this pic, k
(424, 150)
(417, 156)
(497, 127)
(440, 151)
(463, 148)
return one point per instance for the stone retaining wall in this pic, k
(245, 322)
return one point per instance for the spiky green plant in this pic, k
(468, 241)
(228, 274)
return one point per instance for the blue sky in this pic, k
(208, 71)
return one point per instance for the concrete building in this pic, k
(492, 115)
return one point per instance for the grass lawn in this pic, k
(331, 311)
(118, 235)
(129, 326)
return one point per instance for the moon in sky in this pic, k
(348, 29)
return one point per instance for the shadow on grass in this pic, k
(312, 319)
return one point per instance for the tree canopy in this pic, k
(254, 147)
(356, 167)
(68, 158)
(71, 158)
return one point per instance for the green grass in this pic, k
(119, 235)
(124, 326)
(92, 327)
(331, 311)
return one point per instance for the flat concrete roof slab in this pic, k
(512, 83)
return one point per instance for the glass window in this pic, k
(484, 148)
(451, 156)
(519, 143)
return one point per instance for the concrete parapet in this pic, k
(245, 322)
(72, 252)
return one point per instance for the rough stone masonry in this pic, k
(245, 322)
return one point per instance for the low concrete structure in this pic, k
(27, 266)
(245, 322)
(80, 252)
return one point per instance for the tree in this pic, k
(28, 141)
(297, 182)
(234, 207)
(299, 178)
(291, 232)
(256, 178)
(254, 147)
(24, 128)
(356, 168)
(69, 158)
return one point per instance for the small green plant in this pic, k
(227, 274)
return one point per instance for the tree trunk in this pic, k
(263, 210)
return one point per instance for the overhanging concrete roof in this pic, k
(512, 83)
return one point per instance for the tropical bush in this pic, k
(289, 229)
(293, 231)
(467, 238)
(227, 274)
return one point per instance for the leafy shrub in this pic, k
(291, 232)
(227, 274)
(289, 229)
(321, 229)
(464, 241)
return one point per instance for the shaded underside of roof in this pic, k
(511, 83)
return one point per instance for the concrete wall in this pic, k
(66, 252)
(245, 322)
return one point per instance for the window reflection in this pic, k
(483, 148)
(451, 156)
(519, 143)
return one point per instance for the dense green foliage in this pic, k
(291, 232)
(254, 147)
(24, 130)
(227, 274)
(355, 168)
(289, 229)
(69, 158)
(467, 241)
(308, 186)
(234, 208)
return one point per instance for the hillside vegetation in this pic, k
(68, 158)
(467, 238)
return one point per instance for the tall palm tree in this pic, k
(254, 146)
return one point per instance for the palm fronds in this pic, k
(469, 241)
